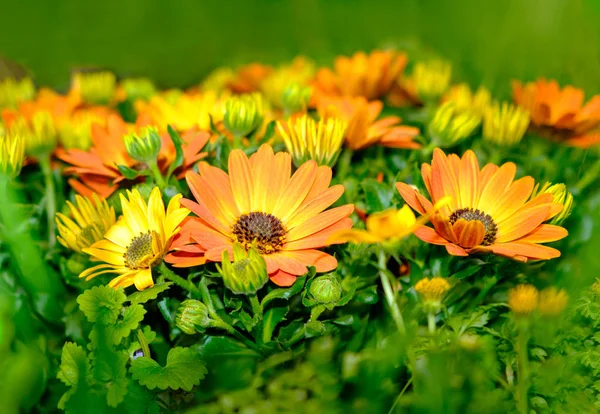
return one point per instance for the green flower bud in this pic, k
(243, 114)
(140, 88)
(561, 196)
(295, 97)
(145, 146)
(247, 273)
(448, 126)
(326, 289)
(96, 88)
(192, 317)
(12, 155)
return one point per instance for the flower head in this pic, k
(364, 129)
(295, 97)
(506, 124)
(91, 220)
(523, 299)
(12, 154)
(466, 101)
(307, 140)
(247, 273)
(560, 114)
(137, 241)
(428, 81)
(261, 204)
(136, 88)
(13, 92)
(561, 196)
(449, 126)
(76, 132)
(243, 114)
(489, 211)
(192, 317)
(326, 289)
(39, 134)
(145, 146)
(552, 301)
(298, 73)
(432, 290)
(97, 88)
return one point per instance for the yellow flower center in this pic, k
(468, 214)
(263, 229)
(140, 253)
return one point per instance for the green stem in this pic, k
(389, 293)
(143, 343)
(400, 395)
(157, 175)
(256, 307)
(523, 370)
(431, 325)
(343, 163)
(50, 199)
(175, 278)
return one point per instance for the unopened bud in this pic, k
(561, 196)
(295, 97)
(243, 114)
(192, 317)
(448, 126)
(247, 273)
(326, 289)
(144, 147)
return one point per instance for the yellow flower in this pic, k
(299, 72)
(76, 132)
(552, 301)
(523, 299)
(91, 220)
(243, 114)
(561, 195)
(144, 147)
(13, 92)
(295, 97)
(432, 78)
(432, 290)
(12, 155)
(506, 124)
(467, 101)
(96, 87)
(307, 140)
(137, 241)
(40, 135)
(449, 126)
(136, 88)
(218, 79)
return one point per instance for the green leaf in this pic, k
(183, 370)
(117, 386)
(115, 332)
(367, 296)
(378, 196)
(128, 172)
(102, 304)
(271, 318)
(140, 401)
(148, 294)
(284, 293)
(177, 142)
(74, 367)
(221, 346)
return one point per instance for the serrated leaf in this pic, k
(117, 386)
(102, 304)
(148, 294)
(271, 318)
(183, 370)
(177, 143)
(140, 401)
(74, 367)
(284, 293)
(115, 332)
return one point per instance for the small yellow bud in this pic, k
(12, 155)
(144, 147)
(432, 291)
(448, 126)
(523, 299)
(218, 79)
(243, 114)
(295, 97)
(138, 88)
(506, 124)
(13, 92)
(40, 136)
(552, 301)
(77, 132)
(431, 79)
(561, 196)
(96, 88)
(307, 140)
(247, 273)
(467, 101)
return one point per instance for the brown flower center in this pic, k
(469, 214)
(139, 252)
(263, 229)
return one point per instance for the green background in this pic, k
(177, 42)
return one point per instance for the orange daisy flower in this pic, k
(97, 170)
(370, 76)
(261, 203)
(560, 114)
(489, 211)
(249, 78)
(363, 127)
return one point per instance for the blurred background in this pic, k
(176, 43)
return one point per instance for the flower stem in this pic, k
(175, 278)
(523, 370)
(400, 395)
(431, 322)
(256, 307)
(143, 343)
(50, 198)
(389, 292)
(157, 175)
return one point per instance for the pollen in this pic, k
(139, 253)
(264, 230)
(468, 214)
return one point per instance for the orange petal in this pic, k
(443, 180)
(514, 199)
(315, 206)
(283, 279)
(322, 261)
(455, 250)
(545, 233)
(319, 239)
(242, 181)
(496, 186)
(469, 233)
(285, 262)
(296, 191)
(521, 223)
(468, 178)
(429, 235)
(409, 194)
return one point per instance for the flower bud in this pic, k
(140, 88)
(243, 114)
(13, 92)
(192, 317)
(523, 299)
(295, 97)
(144, 147)
(247, 273)
(43, 136)
(467, 101)
(552, 301)
(432, 292)
(506, 124)
(431, 79)
(561, 196)
(448, 126)
(97, 88)
(12, 155)
(326, 289)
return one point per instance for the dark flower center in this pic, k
(139, 249)
(264, 230)
(469, 214)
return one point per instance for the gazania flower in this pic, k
(370, 76)
(138, 241)
(91, 220)
(364, 129)
(560, 114)
(489, 211)
(96, 169)
(258, 204)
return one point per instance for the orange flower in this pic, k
(249, 78)
(259, 204)
(363, 127)
(370, 76)
(97, 168)
(489, 212)
(560, 113)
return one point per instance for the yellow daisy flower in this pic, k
(138, 241)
